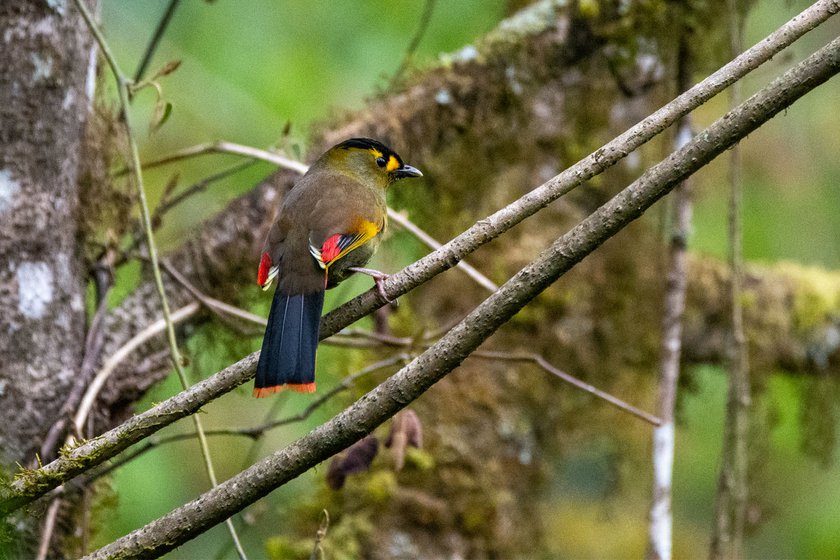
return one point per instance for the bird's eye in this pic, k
(380, 161)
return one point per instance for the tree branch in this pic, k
(224, 248)
(597, 162)
(216, 505)
(35, 483)
(661, 521)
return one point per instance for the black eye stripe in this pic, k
(380, 161)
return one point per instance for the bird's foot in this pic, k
(378, 279)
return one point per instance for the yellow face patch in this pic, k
(376, 153)
(392, 164)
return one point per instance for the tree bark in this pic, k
(46, 84)
(492, 122)
(488, 124)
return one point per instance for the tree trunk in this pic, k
(492, 122)
(46, 84)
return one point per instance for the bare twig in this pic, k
(387, 340)
(93, 349)
(379, 338)
(317, 549)
(286, 163)
(123, 89)
(49, 527)
(433, 244)
(730, 509)
(168, 204)
(571, 380)
(425, 18)
(120, 355)
(660, 518)
(396, 392)
(220, 308)
(223, 147)
(155, 40)
(725, 132)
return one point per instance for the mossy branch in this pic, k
(355, 422)
(124, 86)
(34, 484)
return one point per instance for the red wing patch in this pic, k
(338, 244)
(331, 248)
(265, 266)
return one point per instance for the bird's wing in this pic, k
(339, 244)
(267, 271)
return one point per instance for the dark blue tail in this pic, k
(287, 360)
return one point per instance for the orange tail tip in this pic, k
(297, 388)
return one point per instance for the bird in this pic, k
(329, 226)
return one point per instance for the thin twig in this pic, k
(320, 535)
(808, 74)
(425, 18)
(49, 527)
(380, 338)
(224, 147)
(571, 380)
(166, 205)
(520, 357)
(155, 40)
(137, 175)
(399, 390)
(120, 355)
(433, 244)
(660, 526)
(299, 167)
(93, 349)
(220, 308)
(731, 504)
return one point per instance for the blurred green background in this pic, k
(249, 68)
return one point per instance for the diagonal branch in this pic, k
(597, 162)
(224, 247)
(123, 89)
(219, 503)
(299, 167)
(34, 484)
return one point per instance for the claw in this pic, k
(378, 279)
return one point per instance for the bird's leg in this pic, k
(378, 279)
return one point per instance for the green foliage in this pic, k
(8, 537)
(419, 459)
(298, 62)
(284, 548)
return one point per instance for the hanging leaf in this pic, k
(167, 69)
(406, 430)
(160, 114)
(356, 459)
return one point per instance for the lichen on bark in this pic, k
(45, 91)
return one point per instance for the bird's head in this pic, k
(369, 160)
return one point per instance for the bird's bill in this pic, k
(407, 171)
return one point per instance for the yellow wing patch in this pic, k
(338, 245)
